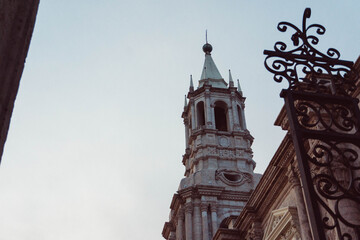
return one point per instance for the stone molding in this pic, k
(220, 153)
(243, 177)
(226, 234)
(272, 183)
(215, 90)
(255, 231)
(203, 190)
(168, 228)
(202, 131)
(175, 202)
(283, 224)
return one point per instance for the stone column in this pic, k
(230, 118)
(197, 221)
(208, 110)
(186, 123)
(188, 220)
(300, 204)
(236, 125)
(172, 236)
(212, 113)
(242, 114)
(193, 117)
(205, 224)
(180, 225)
(213, 208)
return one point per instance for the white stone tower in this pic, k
(218, 160)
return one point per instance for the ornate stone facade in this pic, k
(277, 210)
(218, 162)
(217, 193)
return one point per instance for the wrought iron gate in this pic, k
(324, 121)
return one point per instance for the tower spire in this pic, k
(231, 82)
(239, 88)
(191, 89)
(210, 73)
(206, 36)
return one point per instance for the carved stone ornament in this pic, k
(255, 232)
(283, 224)
(232, 177)
(224, 141)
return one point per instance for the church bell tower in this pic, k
(218, 160)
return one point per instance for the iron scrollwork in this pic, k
(336, 178)
(324, 120)
(322, 116)
(304, 67)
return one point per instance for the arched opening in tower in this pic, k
(200, 114)
(221, 116)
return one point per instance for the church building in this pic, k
(219, 169)
(310, 190)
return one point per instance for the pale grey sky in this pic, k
(96, 139)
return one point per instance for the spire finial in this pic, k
(231, 82)
(207, 48)
(191, 89)
(239, 88)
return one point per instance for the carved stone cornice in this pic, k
(202, 131)
(187, 192)
(204, 190)
(167, 229)
(235, 195)
(226, 234)
(175, 202)
(204, 152)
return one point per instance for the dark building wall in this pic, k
(17, 19)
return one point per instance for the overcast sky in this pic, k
(96, 138)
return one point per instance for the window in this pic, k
(200, 114)
(221, 116)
